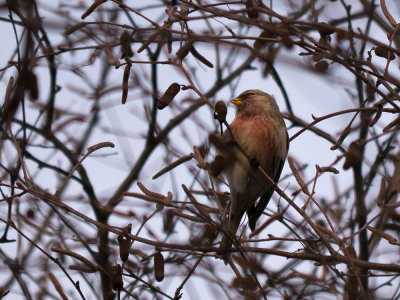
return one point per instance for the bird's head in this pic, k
(255, 102)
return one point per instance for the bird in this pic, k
(257, 137)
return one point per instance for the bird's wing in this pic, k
(228, 141)
(254, 213)
(236, 164)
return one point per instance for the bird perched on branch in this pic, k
(257, 137)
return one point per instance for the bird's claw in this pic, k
(254, 162)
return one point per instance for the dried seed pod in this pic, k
(125, 40)
(186, 87)
(74, 28)
(116, 278)
(111, 59)
(200, 57)
(127, 229)
(32, 85)
(92, 7)
(249, 263)
(377, 116)
(395, 122)
(33, 23)
(199, 158)
(353, 155)
(100, 145)
(201, 208)
(124, 247)
(209, 234)
(286, 40)
(147, 192)
(251, 295)
(317, 56)
(206, 237)
(159, 266)
(8, 92)
(384, 52)
(77, 256)
(152, 37)
(220, 111)
(323, 31)
(251, 9)
(30, 214)
(327, 169)
(321, 66)
(169, 95)
(196, 240)
(204, 150)
(245, 283)
(82, 268)
(57, 285)
(382, 193)
(168, 222)
(298, 178)
(321, 222)
(370, 90)
(125, 83)
(169, 41)
(184, 50)
(13, 6)
(344, 134)
(324, 42)
(173, 165)
(393, 215)
(384, 235)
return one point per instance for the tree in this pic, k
(105, 150)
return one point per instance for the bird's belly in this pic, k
(246, 178)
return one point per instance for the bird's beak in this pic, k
(237, 101)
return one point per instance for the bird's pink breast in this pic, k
(257, 134)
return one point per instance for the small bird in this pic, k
(258, 129)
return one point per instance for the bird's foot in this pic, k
(254, 162)
(223, 252)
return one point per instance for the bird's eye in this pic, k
(248, 95)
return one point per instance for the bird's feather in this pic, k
(255, 212)
(259, 130)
